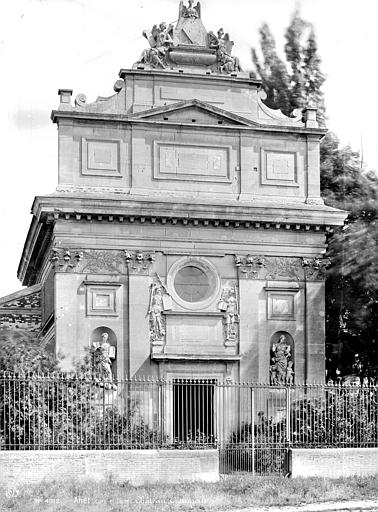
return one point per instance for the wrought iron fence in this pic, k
(252, 425)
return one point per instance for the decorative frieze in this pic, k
(289, 269)
(99, 261)
(281, 268)
(89, 261)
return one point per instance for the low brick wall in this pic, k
(334, 462)
(134, 466)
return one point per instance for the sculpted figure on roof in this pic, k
(189, 11)
(159, 38)
(189, 44)
(226, 63)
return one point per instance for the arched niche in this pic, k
(281, 362)
(96, 337)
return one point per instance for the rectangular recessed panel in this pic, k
(101, 301)
(100, 157)
(281, 306)
(194, 334)
(279, 168)
(192, 162)
(176, 94)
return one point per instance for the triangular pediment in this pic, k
(193, 111)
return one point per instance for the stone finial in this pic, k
(309, 114)
(65, 99)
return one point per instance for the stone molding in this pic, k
(281, 268)
(187, 220)
(100, 261)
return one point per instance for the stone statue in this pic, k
(155, 312)
(189, 11)
(160, 39)
(229, 305)
(226, 63)
(160, 301)
(103, 352)
(281, 369)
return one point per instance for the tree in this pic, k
(352, 284)
(273, 72)
(21, 352)
(301, 85)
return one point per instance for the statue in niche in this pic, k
(160, 39)
(229, 305)
(281, 368)
(189, 11)
(226, 63)
(160, 301)
(103, 353)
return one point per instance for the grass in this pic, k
(232, 492)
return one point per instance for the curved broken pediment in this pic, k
(271, 116)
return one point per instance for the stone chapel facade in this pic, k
(187, 223)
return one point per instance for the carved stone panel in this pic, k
(176, 161)
(284, 268)
(89, 261)
(281, 268)
(101, 261)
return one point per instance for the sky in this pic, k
(81, 45)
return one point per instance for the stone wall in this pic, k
(334, 462)
(137, 467)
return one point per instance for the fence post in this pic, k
(288, 419)
(103, 417)
(253, 429)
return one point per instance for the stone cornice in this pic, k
(60, 207)
(189, 76)
(124, 118)
(154, 209)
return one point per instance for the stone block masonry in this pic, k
(334, 462)
(138, 467)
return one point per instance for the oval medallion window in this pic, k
(192, 284)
